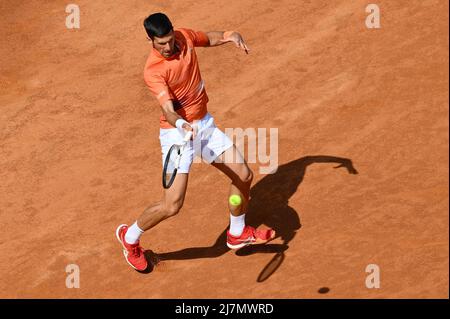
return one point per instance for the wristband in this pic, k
(179, 123)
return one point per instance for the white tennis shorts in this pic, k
(208, 144)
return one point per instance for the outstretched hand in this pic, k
(238, 41)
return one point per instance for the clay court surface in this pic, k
(79, 151)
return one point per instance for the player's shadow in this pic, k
(269, 205)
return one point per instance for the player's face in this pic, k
(165, 45)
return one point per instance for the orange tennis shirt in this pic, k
(178, 78)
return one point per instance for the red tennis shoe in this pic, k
(134, 254)
(250, 236)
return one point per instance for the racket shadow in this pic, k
(269, 205)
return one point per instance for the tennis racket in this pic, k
(172, 161)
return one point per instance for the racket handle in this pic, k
(177, 162)
(188, 136)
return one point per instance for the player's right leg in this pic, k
(169, 206)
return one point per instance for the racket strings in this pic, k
(172, 164)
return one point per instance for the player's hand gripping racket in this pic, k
(172, 161)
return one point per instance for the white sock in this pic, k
(237, 224)
(133, 234)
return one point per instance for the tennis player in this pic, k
(173, 76)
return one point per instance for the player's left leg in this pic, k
(241, 176)
(216, 148)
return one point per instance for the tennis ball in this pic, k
(235, 200)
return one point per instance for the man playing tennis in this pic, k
(173, 76)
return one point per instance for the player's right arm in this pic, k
(157, 85)
(172, 117)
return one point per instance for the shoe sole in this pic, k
(238, 246)
(125, 251)
(256, 242)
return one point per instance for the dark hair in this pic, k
(157, 25)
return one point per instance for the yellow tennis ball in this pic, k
(235, 200)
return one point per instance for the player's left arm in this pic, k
(221, 37)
